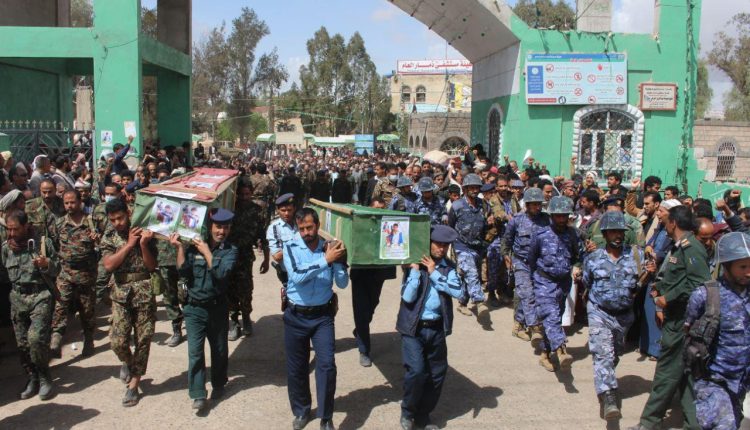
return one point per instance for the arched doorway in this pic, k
(453, 145)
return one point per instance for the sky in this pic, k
(390, 34)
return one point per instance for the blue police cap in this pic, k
(284, 198)
(487, 187)
(443, 234)
(220, 215)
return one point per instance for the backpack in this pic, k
(702, 333)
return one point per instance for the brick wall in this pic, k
(708, 135)
(437, 128)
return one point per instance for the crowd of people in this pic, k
(661, 270)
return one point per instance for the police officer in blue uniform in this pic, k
(206, 267)
(405, 200)
(430, 203)
(313, 265)
(467, 217)
(720, 391)
(610, 276)
(280, 231)
(515, 251)
(425, 318)
(553, 252)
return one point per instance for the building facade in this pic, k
(428, 86)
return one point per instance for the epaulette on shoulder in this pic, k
(684, 243)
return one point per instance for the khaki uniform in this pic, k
(384, 190)
(42, 217)
(133, 304)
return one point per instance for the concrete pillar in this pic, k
(173, 24)
(594, 15)
(117, 71)
(173, 108)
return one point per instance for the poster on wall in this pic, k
(394, 238)
(576, 79)
(106, 139)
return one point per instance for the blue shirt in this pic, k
(279, 233)
(310, 276)
(612, 283)
(730, 351)
(469, 223)
(449, 284)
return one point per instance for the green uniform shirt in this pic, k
(21, 269)
(207, 283)
(633, 235)
(686, 268)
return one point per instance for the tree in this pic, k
(247, 30)
(270, 74)
(341, 91)
(210, 78)
(704, 92)
(732, 56)
(81, 13)
(545, 14)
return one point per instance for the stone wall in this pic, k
(709, 135)
(430, 131)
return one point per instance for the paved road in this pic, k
(494, 381)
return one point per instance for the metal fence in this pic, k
(31, 138)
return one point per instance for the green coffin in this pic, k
(375, 237)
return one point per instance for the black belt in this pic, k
(29, 288)
(208, 302)
(310, 311)
(546, 275)
(438, 323)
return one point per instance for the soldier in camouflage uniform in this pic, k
(111, 192)
(385, 189)
(169, 278)
(497, 273)
(610, 275)
(130, 255)
(721, 390)
(31, 299)
(405, 200)
(264, 190)
(44, 211)
(77, 239)
(247, 232)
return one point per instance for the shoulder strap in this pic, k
(637, 257)
(43, 247)
(713, 299)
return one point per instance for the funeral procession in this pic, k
(375, 214)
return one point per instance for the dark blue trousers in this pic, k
(426, 362)
(365, 298)
(299, 331)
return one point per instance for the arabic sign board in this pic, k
(658, 96)
(433, 67)
(364, 142)
(576, 79)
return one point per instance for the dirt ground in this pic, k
(494, 381)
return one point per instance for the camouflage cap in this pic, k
(472, 180)
(560, 205)
(533, 195)
(733, 246)
(613, 221)
(404, 181)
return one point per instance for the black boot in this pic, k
(32, 387)
(247, 325)
(46, 389)
(234, 330)
(611, 411)
(176, 338)
(88, 343)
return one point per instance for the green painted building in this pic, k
(622, 136)
(40, 53)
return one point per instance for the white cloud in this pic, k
(633, 16)
(292, 66)
(384, 14)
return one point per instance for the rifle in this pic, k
(31, 246)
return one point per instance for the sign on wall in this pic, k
(364, 142)
(658, 96)
(432, 67)
(576, 79)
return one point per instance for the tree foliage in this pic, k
(731, 55)
(704, 92)
(270, 75)
(546, 14)
(341, 91)
(81, 13)
(210, 78)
